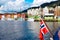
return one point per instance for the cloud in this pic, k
(4, 1)
(19, 5)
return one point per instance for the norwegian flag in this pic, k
(43, 28)
(41, 36)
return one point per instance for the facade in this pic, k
(48, 13)
(45, 13)
(12, 16)
(57, 11)
(34, 11)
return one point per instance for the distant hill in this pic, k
(51, 4)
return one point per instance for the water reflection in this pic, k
(18, 30)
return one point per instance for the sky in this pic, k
(19, 5)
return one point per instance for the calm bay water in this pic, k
(18, 30)
(21, 30)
